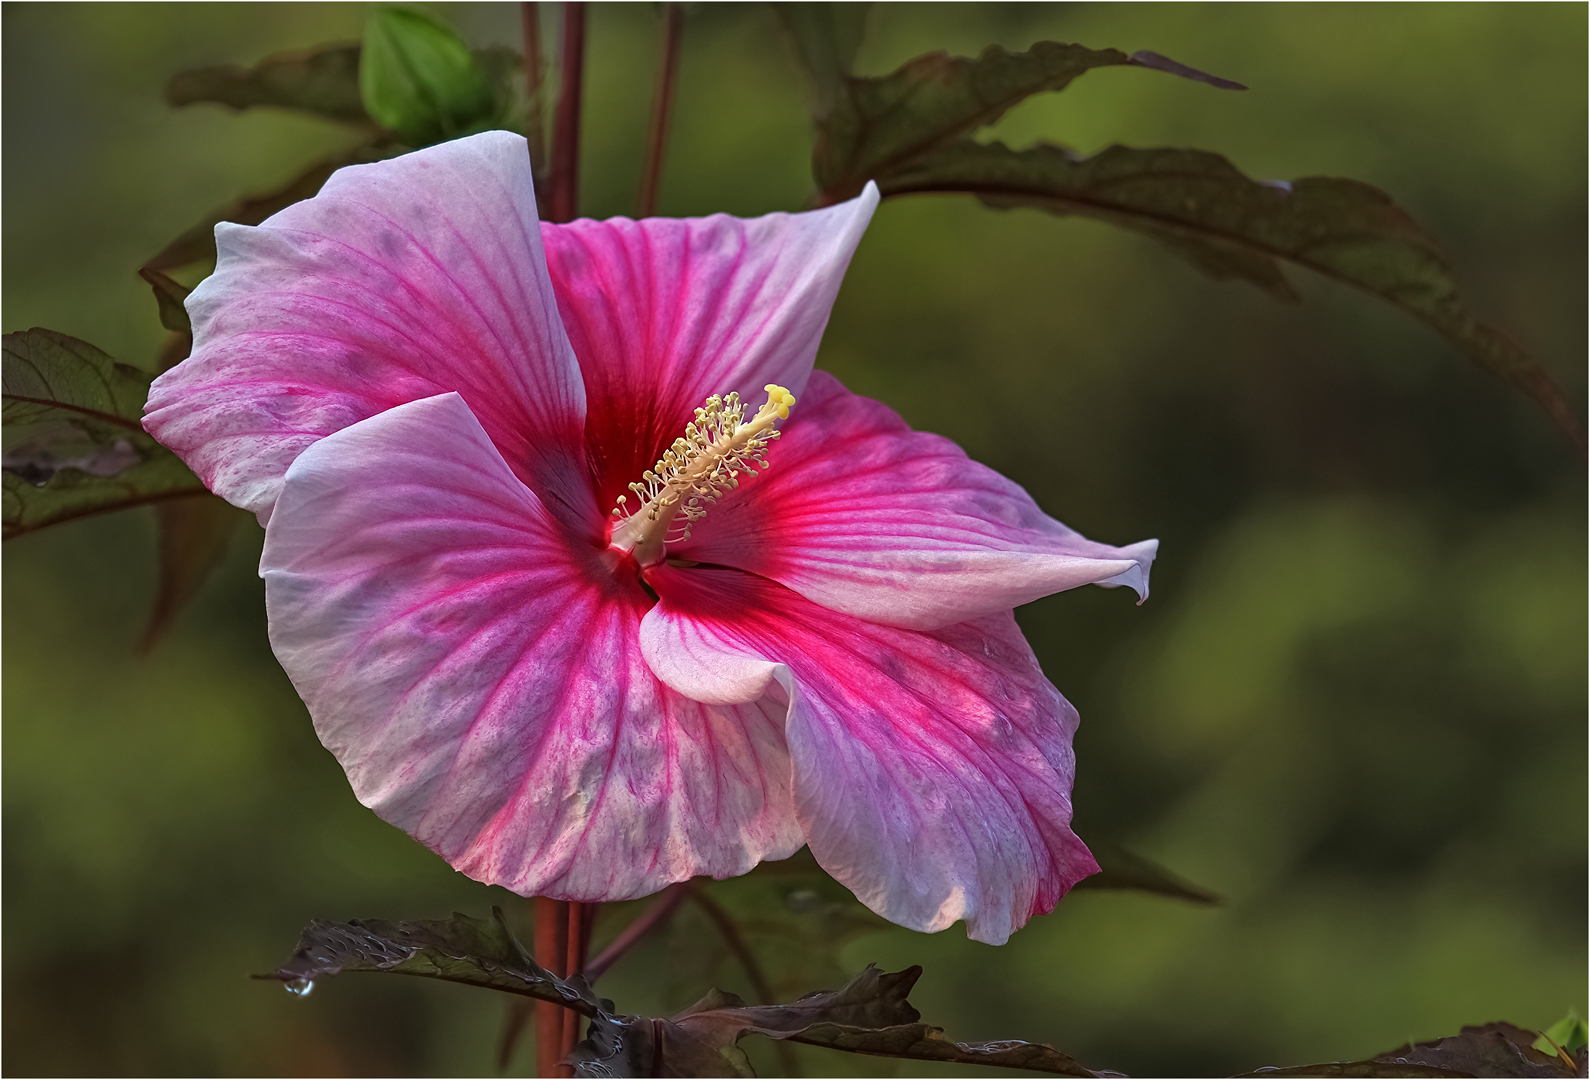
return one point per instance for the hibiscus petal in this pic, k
(932, 770)
(666, 312)
(400, 280)
(480, 680)
(865, 516)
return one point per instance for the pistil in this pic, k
(695, 472)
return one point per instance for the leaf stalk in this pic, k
(653, 917)
(563, 184)
(530, 17)
(661, 108)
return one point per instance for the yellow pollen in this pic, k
(778, 399)
(696, 471)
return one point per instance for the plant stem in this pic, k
(654, 916)
(563, 929)
(581, 918)
(563, 185)
(661, 107)
(731, 937)
(551, 952)
(753, 971)
(562, 937)
(530, 16)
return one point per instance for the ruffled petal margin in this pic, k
(932, 771)
(665, 312)
(865, 516)
(399, 281)
(480, 680)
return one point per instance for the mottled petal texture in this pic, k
(865, 516)
(932, 771)
(665, 312)
(399, 281)
(432, 400)
(480, 679)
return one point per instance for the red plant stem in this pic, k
(582, 917)
(562, 938)
(657, 914)
(530, 16)
(551, 952)
(563, 185)
(661, 107)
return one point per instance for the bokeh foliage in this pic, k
(1354, 705)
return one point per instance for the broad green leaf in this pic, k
(419, 80)
(73, 443)
(193, 533)
(1145, 58)
(1122, 869)
(869, 1015)
(1230, 226)
(924, 1042)
(1569, 1033)
(1369, 1068)
(323, 81)
(826, 38)
(47, 373)
(477, 952)
(877, 125)
(640, 1046)
(169, 295)
(197, 244)
(909, 131)
(57, 474)
(1496, 1049)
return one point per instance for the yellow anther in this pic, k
(719, 445)
(779, 399)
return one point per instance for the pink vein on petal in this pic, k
(932, 769)
(663, 313)
(403, 279)
(477, 673)
(865, 516)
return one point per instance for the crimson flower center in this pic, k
(696, 471)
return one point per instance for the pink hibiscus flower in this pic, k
(578, 671)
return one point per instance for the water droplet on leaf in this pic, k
(802, 900)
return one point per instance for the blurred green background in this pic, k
(1355, 704)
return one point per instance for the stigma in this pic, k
(701, 466)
